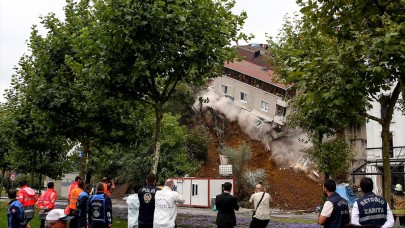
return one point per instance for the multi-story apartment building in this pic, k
(254, 87)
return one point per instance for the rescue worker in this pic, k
(15, 213)
(335, 211)
(108, 186)
(81, 206)
(371, 209)
(74, 185)
(27, 198)
(74, 196)
(398, 200)
(146, 196)
(99, 209)
(46, 202)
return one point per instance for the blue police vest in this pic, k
(340, 214)
(82, 210)
(372, 209)
(17, 205)
(98, 210)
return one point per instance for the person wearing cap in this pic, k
(146, 196)
(261, 202)
(81, 206)
(166, 202)
(398, 199)
(74, 196)
(335, 211)
(371, 209)
(46, 202)
(27, 198)
(57, 218)
(15, 213)
(99, 209)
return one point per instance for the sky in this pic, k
(18, 16)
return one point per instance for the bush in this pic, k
(198, 142)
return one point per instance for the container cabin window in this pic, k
(194, 191)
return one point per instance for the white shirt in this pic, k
(166, 208)
(263, 211)
(133, 210)
(356, 214)
(327, 209)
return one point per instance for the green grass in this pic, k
(34, 223)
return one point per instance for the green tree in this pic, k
(341, 55)
(143, 49)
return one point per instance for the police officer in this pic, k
(335, 211)
(99, 209)
(371, 209)
(146, 196)
(15, 213)
(81, 206)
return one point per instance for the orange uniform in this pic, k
(74, 196)
(106, 190)
(26, 196)
(47, 199)
(71, 187)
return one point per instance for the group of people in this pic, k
(152, 207)
(83, 210)
(369, 210)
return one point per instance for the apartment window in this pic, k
(194, 190)
(224, 89)
(264, 106)
(280, 110)
(243, 96)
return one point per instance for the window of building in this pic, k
(264, 106)
(280, 110)
(243, 96)
(194, 191)
(224, 89)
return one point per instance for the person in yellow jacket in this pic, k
(74, 196)
(398, 199)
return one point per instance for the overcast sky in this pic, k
(17, 17)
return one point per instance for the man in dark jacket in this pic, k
(146, 196)
(81, 206)
(226, 205)
(335, 211)
(15, 213)
(99, 209)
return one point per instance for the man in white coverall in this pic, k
(166, 206)
(133, 208)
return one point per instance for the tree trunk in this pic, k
(2, 179)
(83, 165)
(385, 135)
(158, 138)
(32, 174)
(40, 183)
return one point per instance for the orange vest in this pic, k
(71, 187)
(108, 193)
(47, 199)
(74, 196)
(26, 196)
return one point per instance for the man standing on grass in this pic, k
(146, 196)
(226, 205)
(335, 211)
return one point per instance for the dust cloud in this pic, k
(287, 150)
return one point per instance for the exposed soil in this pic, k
(289, 189)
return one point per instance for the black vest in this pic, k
(340, 214)
(372, 209)
(146, 196)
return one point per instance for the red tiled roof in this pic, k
(248, 54)
(255, 71)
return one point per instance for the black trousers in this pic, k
(144, 225)
(74, 223)
(257, 223)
